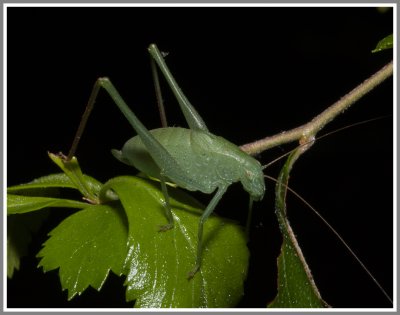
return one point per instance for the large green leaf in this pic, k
(93, 241)
(86, 246)
(158, 263)
(296, 287)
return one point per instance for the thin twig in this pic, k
(310, 129)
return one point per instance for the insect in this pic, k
(194, 158)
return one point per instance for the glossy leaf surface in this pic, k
(158, 262)
(86, 246)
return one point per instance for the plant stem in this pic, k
(308, 131)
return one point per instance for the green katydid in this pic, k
(194, 158)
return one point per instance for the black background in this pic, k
(250, 72)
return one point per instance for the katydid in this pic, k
(194, 158)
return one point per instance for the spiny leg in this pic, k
(210, 208)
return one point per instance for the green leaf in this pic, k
(17, 204)
(19, 229)
(32, 196)
(86, 246)
(60, 180)
(386, 43)
(158, 262)
(18, 238)
(72, 169)
(296, 286)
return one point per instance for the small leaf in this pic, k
(86, 246)
(49, 186)
(19, 229)
(158, 262)
(386, 43)
(296, 287)
(17, 204)
(73, 171)
(59, 180)
(33, 196)
(18, 238)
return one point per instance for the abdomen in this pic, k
(207, 159)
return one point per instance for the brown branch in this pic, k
(309, 130)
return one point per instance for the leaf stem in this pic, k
(308, 131)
